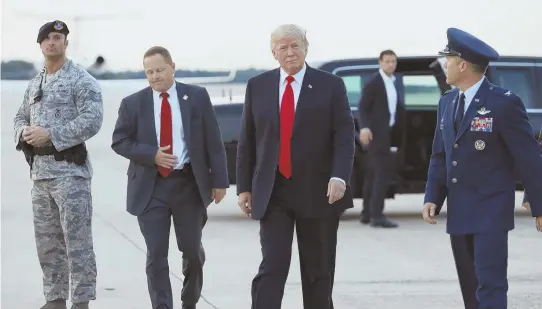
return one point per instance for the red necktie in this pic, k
(287, 112)
(166, 131)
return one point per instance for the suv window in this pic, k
(354, 85)
(421, 90)
(519, 81)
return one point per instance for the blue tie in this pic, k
(460, 110)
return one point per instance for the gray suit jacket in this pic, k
(134, 138)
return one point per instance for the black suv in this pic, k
(422, 81)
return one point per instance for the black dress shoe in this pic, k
(384, 223)
(189, 306)
(365, 220)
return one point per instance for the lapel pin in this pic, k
(508, 93)
(185, 97)
(310, 86)
(476, 100)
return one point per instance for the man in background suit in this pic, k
(482, 139)
(382, 123)
(294, 160)
(170, 134)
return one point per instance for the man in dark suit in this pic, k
(294, 161)
(177, 167)
(382, 126)
(482, 138)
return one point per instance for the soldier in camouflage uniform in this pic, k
(62, 108)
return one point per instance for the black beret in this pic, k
(53, 26)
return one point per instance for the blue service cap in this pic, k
(468, 47)
(53, 26)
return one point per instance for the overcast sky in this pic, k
(226, 34)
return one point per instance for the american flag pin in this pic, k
(185, 97)
(476, 100)
(310, 86)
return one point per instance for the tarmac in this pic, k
(409, 267)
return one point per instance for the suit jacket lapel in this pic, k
(305, 95)
(185, 104)
(449, 118)
(147, 114)
(385, 92)
(477, 101)
(274, 104)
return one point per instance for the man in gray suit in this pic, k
(170, 134)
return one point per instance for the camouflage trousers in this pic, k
(63, 231)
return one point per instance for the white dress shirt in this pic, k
(296, 86)
(179, 146)
(391, 93)
(470, 93)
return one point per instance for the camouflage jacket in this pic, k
(71, 109)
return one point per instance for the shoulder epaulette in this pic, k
(448, 92)
(502, 91)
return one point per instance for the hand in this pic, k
(526, 205)
(36, 136)
(245, 203)
(218, 195)
(365, 136)
(428, 213)
(539, 223)
(165, 160)
(23, 132)
(335, 190)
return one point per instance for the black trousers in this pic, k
(317, 241)
(379, 169)
(174, 197)
(377, 178)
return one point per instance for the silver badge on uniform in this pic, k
(482, 111)
(479, 145)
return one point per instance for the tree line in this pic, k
(23, 70)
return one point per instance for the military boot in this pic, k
(55, 304)
(83, 305)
